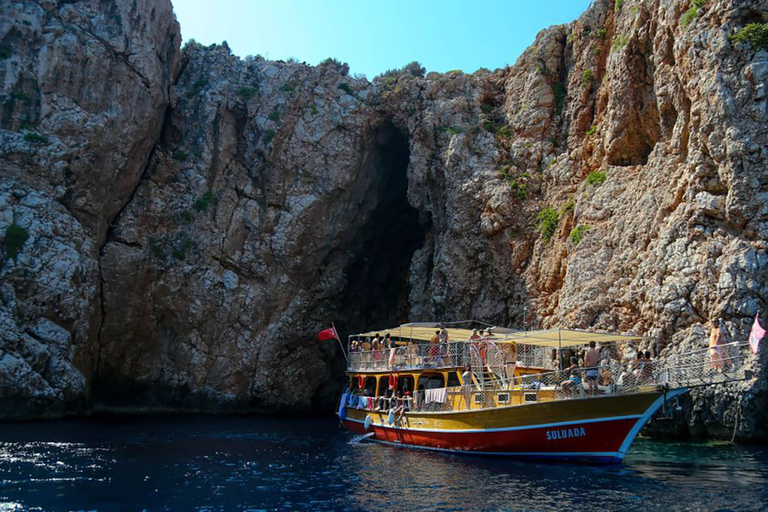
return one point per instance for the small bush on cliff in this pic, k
(347, 89)
(577, 234)
(505, 132)
(567, 207)
(546, 223)
(5, 52)
(449, 129)
(586, 77)
(692, 13)
(619, 4)
(180, 155)
(197, 87)
(289, 87)
(412, 68)
(19, 96)
(268, 136)
(592, 130)
(35, 138)
(558, 89)
(619, 43)
(202, 204)
(15, 238)
(601, 33)
(182, 246)
(341, 67)
(274, 115)
(246, 93)
(595, 178)
(755, 33)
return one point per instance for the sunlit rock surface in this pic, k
(195, 218)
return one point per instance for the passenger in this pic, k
(443, 334)
(434, 340)
(388, 343)
(638, 367)
(354, 347)
(573, 383)
(716, 338)
(553, 360)
(474, 336)
(367, 344)
(510, 361)
(434, 349)
(591, 360)
(467, 387)
(606, 376)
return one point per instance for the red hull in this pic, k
(596, 440)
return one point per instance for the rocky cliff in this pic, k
(179, 223)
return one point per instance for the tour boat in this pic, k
(515, 393)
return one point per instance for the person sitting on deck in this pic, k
(354, 347)
(573, 383)
(591, 360)
(638, 367)
(606, 377)
(367, 344)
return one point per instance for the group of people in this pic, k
(377, 343)
(593, 371)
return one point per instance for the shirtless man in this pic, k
(591, 360)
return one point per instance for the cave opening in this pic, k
(377, 289)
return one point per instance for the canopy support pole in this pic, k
(340, 344)
(559, 350)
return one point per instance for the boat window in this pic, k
(384, 385)
(369, 389)
(431, 381)
(405, 383)
(453, 379)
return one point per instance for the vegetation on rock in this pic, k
(755, 33)
(15, 238)
(595, 178)
(546, 223)
(577, 234)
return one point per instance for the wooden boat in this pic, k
(422, 395)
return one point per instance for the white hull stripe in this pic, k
(655, 406)
(506, 429)
(569, 455)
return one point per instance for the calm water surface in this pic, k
(286, 463)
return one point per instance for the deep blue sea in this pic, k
(295, 463)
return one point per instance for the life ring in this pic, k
(367, 423)
(393, 381)
(391, 418)
(361, 382)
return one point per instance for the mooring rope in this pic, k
(736, 423)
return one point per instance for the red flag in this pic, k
(756, 335)
(328, 334)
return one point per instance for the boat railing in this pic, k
(415, 356)
(706, 366)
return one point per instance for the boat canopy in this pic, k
(545, 338)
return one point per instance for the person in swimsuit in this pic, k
(591, 360)
(716, 339)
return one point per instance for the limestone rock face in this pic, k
(84, 87)
(613, 178)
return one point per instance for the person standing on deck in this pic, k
(591, 360)
(510, 360)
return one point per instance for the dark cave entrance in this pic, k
(376, 294)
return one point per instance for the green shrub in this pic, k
(558, 89)
(591, 131)
(692, 13)
(269, 135)
(546, 223)
(597, 51)
(35, 138)
(155, 248)
(571, 37)
(619, 43)
(19, 96)
(197, 87)
(601, 33)
(555, 143)
(595, 178)
(180, 251)
(347, 89)
(528, 145)
(180, 155)
(455, 72)
(634, 10)
(519, 189)
(578, 233)
(288, 87)
(586, 77)
(186, 217)
(449, 129)
(412, 68)
(246, 92)
(341, 67)
(619, 4)
(313, 109)
(567, 207)
(202, 204)
(15, 238)
(542, 69)
(505, 132)
(755, 33)
(5, 52)
(274, 115)
(26, 125)
(486, 108)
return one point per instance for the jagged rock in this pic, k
(280, 196)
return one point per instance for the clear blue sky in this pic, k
(375, 35)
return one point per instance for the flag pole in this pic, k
(340, 344)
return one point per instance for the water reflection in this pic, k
(240, 463)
